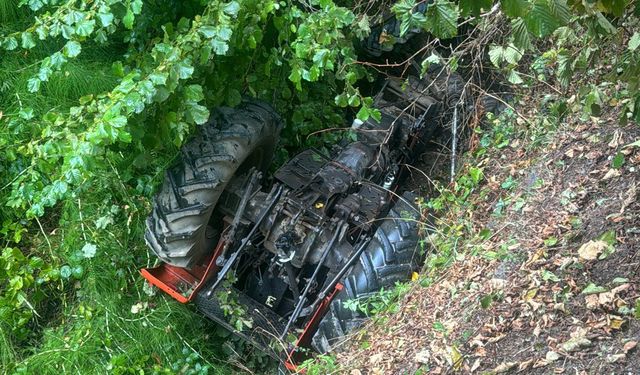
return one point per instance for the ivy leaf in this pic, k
(89, 250)
(219, 47)
(199, 114)
(232, 8)
(225, 33)
(10, 43)
(26, 113)
(33, 84)
(136, 6)
(71, 49)
(207, 31)
(363, 114)
(442, 18)
(106, 19)
(27, 40)
(85, 27)
(65, 272)
(128, 18)
(184, 69)
(193, 93)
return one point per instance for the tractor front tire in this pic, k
(392, 256)
(234, 138)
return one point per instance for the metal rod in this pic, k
(296, 312)
(255, 175)
(245, 241)
(356, 254)
(454, 134)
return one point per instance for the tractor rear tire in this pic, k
(234, 140)
(392, 256)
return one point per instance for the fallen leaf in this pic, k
(629, 346)
(525, 365)
(551, 356)
(456, 358)
(423, 357)
(613, 358)
(615, 322)
(530, 294)
(612, 173)
(575, 343)
(592, 301)
(475, 365)
(376, 358)
(504, 367)
(591, 249)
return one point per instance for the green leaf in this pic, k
(33, 84)
(106, 19)
(234, 98)
(342, 100)
(128, 19)
(618, 161)
(485, 301)
(65, 272)
(198, 114)
(549, 276)
(593, 289)
(551, 241)
(514, 77)
(184, 69)
(609, 237)
(27, 40)
(193, 93)
(546, 16)
(633, 144)
(363, 114)
(634, 42)
(232, 8)
(476, 174)
(219, 47)
(26, 113)
(510, 54)
(521, 36)
(136, 6)
(71, 49)
(89, 250)
(208, 31)
(442, 18)
(85, 27)
(10, 43)
(515, 8)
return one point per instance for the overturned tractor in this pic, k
(292, 248)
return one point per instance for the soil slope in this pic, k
(553, 284)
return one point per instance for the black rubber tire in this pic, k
(392, 255)
(233, 137)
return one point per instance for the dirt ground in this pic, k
(554, 289)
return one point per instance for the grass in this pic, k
(83, 323)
